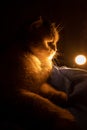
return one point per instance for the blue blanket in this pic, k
(74, 82)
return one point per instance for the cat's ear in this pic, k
(36, 24)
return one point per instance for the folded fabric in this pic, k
(74, 82)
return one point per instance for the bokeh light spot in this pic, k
(80, 59)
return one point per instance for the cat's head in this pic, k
(40, 36)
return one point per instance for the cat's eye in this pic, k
(52, 45)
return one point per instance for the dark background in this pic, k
(71, 15)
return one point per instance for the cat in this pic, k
(25, 67)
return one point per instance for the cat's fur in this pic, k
(24, 69)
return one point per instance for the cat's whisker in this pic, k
(59, 27)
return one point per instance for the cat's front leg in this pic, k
(58, 97)
(41, 111)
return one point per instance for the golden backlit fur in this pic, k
(25, 67)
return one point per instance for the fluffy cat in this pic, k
(25, 67)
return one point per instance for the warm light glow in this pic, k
(80, 59)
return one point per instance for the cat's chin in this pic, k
(50, 57)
